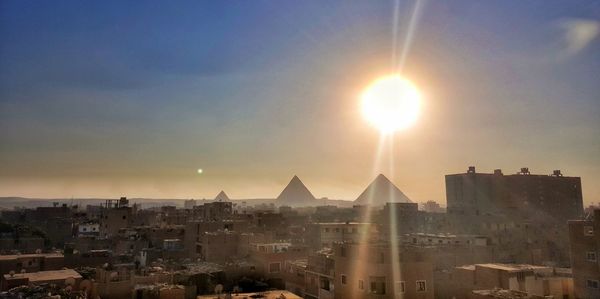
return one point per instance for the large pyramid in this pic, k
(222, 196)
(380, 192)
(296, 194)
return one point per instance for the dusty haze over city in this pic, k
(122, 99)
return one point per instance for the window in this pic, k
(588, 231)
(593, 284)
(521, 276)
(343, 251)
(343, 279)
(377, 285)
(361, 284)
(324, 283)
(421, 286)
(591, 256)
(400, 287)
(326, 230)
(124, 217)
(337, 229)
(274, 267)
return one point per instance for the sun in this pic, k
(391, 103)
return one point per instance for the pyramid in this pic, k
(222, 196)
(296, 194)
(380, 192)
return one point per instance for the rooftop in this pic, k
(32, 255)
(261, 295)
(502, 293)
(504, 267)
(511, 267)
(343, 223)
(45, 275)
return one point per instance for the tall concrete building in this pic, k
(584, 236)
(536, 198)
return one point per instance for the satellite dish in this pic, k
(219, 289)
(23, 271)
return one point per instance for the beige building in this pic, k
(528, 279)
(276, 294)
(584, 236)
(366, 271)
(114, 219)
(63, 278)
(320, 276)
(31, 262)
(324, 235)
(270, 258)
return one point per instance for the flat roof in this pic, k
(511, 267)
(342, 223)
(46, 275)
(32, 255)
(300, 262)
(272, 244)
(261, 295)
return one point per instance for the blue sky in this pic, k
(129, 98)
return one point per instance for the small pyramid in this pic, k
(380, 192)
(222, 196)
(296, 194)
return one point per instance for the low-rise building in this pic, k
(382, 270)
(270, 258)
(276, 294)
(584, 236)
(529, 279)
(320, 276)
(31, 262)
(324, 235)
(295, 276)
(88, 229)
(66, 277)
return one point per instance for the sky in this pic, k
(130, 98)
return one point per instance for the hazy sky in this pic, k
(130, 98)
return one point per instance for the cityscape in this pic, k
(299, 149)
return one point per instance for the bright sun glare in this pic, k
(391, 103)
